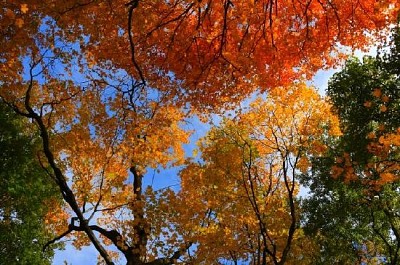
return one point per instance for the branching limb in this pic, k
(56, 239)
(65, 190)
(171, 260)
(131, 6)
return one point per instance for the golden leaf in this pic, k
(24, 8)
(19, 22)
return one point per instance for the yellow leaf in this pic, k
(19, 22)
(195, 152)
(24, 8)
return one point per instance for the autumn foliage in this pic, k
(374, 160)
(109, 86)
(227, 48)
(354, 203)
(245, 205)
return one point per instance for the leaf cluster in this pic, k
(354, 191)
(24, 191)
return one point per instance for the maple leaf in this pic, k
(19, 22)
(9, 13)
(24, 8)
(103, 127)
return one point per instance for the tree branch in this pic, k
(171, 260)
(56, 239)
(66, 192)
(132, 5)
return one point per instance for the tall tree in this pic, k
(26, 194)
(242, 196)
(362, 190)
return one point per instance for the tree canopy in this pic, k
(25, 194)
(246, 204)
(109, 85)
(355, 202)
(183, 48)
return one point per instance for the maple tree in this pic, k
(227, 48)
(108, 83)
(242, 196)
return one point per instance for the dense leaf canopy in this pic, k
(110, 85)
(354, 207)
(25, 194)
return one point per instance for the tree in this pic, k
(25, 194)
(227, 48)
(242, 196)
(361, 191)
(108, 83)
